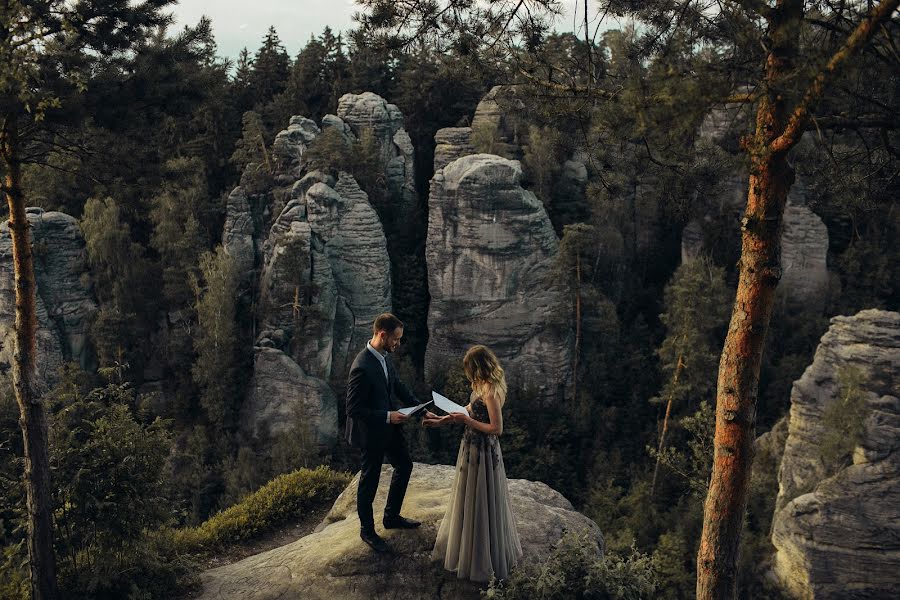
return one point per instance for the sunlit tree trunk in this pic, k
(777, 130)
(32, 417)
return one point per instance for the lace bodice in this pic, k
(481, 442)
(480, 411)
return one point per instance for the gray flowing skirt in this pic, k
(478, 536)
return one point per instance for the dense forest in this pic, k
(141, 132)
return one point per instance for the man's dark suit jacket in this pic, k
(369, 400)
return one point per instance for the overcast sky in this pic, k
(239, 23)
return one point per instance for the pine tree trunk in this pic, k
(738, 382)
(777, 131)
(665, 427)
(32, 419)
(577, 325)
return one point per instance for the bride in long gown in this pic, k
(477, 537)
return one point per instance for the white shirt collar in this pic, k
(380, 358)
(377, 354)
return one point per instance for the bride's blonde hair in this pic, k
(483, 370)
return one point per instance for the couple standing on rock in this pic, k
(477, 537)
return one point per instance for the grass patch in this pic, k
(285, 498)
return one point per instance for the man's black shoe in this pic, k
(374, 540)
(399, 523)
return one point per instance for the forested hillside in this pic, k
(199, 226)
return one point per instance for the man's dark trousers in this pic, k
(368, 403)
(397, 455)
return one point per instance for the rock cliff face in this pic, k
(837, 534)
(490, 251)
(64, 300)
(368, 110)
(452, 143)
(282, 396)
(804, 250)
(334, 563)
(492, 115)
(313, 252)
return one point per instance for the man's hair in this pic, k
(386, 322)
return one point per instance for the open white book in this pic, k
(447, 405)
(411, 410)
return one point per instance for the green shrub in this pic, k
(280, 500)
(14, 582)
(574, 572)
(844, 420)
(107, 471)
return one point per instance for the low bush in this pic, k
(284, 498)
(575, 572)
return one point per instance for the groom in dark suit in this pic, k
(373, 427)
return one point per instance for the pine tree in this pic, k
(270, 70)
(215, 343)
(696, 314)
(120, 270)
(241, 82)
(47, 51)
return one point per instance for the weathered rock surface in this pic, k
(237, 238)
(452, 143)
(362, 270)
(326, 276)
(804, 250)
(283, 398)
(371, 111)
(315, 252)
(489, 252)
(493, 114)
(334, 563)
(64, 300)
(837, 535)
(291, 143)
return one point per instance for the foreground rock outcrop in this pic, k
(334, 563)
(837, 533)
(64, 300)
(490, 254)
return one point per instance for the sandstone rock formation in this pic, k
(237, 237)
(312, 251)
(291, 143)
(452, 143)
(804, 250)
(64, 300)
(490, 253)
(334, 563)
(283, 397)
(493, 116)
(837, 534)
(371, 111)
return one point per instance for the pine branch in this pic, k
(863, 32)
(757, 7)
